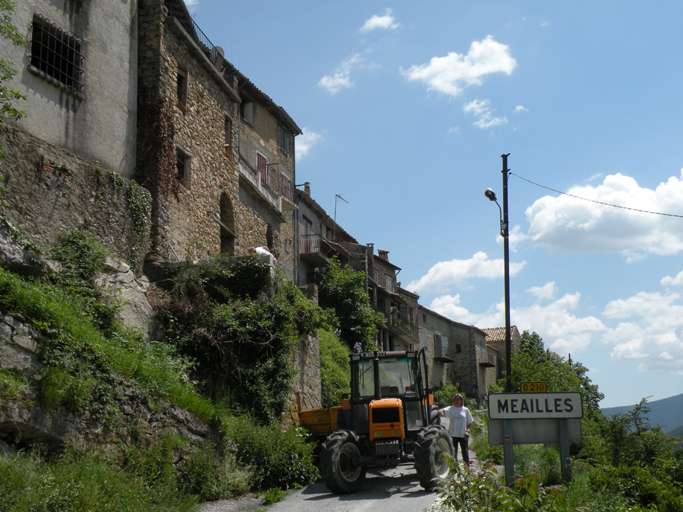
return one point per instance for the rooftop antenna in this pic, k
(334, 230)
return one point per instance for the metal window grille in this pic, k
(57, 54)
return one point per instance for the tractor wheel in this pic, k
(431, 450)
(434, 416)
(337, 467)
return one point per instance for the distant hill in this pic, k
(666, 413)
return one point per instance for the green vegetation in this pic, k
(443, 395)
(622, 463)
(87, 356)
(342, 289)
(242, 340)
(335, 371)
(8, 95)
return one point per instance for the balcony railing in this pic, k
(316, 244)
(277, 182)
(177, 9)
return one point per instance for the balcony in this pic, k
(269, 185)
(315, 250)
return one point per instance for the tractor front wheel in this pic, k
(431, 462)
(339, 462)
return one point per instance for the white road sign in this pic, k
(526, 406)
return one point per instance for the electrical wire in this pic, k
(598, 202)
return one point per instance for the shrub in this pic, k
(443, 395)
(343, 290)
(77, 483)
(335, 371)
(280, 457)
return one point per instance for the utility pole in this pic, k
(505, 232)
(334, 231)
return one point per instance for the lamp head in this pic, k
(490, 194)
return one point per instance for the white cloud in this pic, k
(673, 281)
(341, 78)
(546, 291)
(566, 224)
(651, 333)
(306, 141)
(520, 108)
(561, 330)
(450, 74)
(380, 22)
(482, 110)
(448, 273)
(450, 307)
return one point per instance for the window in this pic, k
(262, 167)
(247, 111)
(388, 282)
(183, 166)
(283, 139)
(458, 349)
(181, 88)
(228, 133)
(56, 55)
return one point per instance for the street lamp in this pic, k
(505, 233)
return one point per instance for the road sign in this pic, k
(527, 406)
(534, 387)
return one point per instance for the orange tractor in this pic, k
(388, 419)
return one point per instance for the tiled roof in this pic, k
(498, 333)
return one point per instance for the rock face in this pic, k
(119, 281)
(25, 422)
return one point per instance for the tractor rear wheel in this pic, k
(339, 462)
(431, 462)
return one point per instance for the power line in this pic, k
(598, 202)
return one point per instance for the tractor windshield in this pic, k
(396, 375)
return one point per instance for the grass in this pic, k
(79, 358)
(78, 484)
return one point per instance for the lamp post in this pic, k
(504, 232)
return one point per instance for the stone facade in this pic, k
(51, 191)
(457, 352)
(198, 155)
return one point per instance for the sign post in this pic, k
(535, 418)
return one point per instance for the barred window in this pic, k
(56, 55)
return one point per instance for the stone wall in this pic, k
(51, 192)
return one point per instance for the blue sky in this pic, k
(406, 109)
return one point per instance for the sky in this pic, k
(406, 108)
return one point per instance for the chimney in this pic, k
(383, 254)
(307, 188)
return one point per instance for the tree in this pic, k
(7, 72)
(343, 290)
(534, 363)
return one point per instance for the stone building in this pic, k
(457, 353)
(78, 72)
(215, 151)
(320, 237)
(495, 338)
(67, 158)
(399, 306)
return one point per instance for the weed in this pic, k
(272, 496)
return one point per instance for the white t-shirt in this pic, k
(458, 419)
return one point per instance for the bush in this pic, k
(443, 396)
(335, 370)
(77, 483)
(343, 290)
(280, 457)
